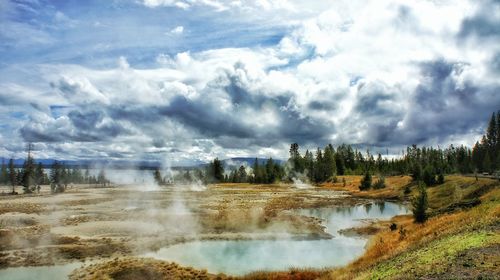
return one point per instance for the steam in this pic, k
(299, 184)
(197, 186)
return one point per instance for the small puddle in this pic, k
(54, 272)
(243, 256)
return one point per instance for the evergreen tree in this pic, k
(339, 163)
(218, 170)
(101, 177)
(39, 174)
(256, 172)
(12, 175)
(491, 132)
(242, 174)
(330, 168)
(420, 204)
(28, 172)
(271, 177)
(440, 178)
(87, 176)
(366, 182)
(295, 160)
(487, 166)
(309, 165)
(429, 177)
(416, 171)
(55, 178)
(4, 176)
(157, 177)
(319, 167)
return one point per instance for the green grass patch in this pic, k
(433, 258)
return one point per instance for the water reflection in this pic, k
(339, 218)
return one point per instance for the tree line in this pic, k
(215, 172)
(32, 176)
(426, 164)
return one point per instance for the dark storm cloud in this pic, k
(377, 107)
(85, 121)
(83, 126)
(495, 62)
(322, 105)
(204, 117)
(484, 24)
(442, 106)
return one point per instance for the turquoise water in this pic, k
(244, 256)
(55, 272)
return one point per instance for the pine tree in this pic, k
(487, 166)
(271, 177)
(157, 177)
(440, 178)
(28, 173)
(242, 174)
(340, 163)
(366, 182)
(12, 175)
(420, 204)
(218, 170)
(55, 178)
(101, 177)
(491, 132)
(256, 172)
(330, 168)
(39, 174)
(4, 176)
(429, 177)
(319, 167)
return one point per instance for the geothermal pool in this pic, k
(54, 272)
(244, 256)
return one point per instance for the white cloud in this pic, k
(177, 30)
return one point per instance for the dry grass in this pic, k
(139, 269)
(20, 207)
(293, 274)
(393, 190)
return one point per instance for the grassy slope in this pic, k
(460, 240)
(435, 249)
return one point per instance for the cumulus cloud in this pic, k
(177, 30)
(373, 74)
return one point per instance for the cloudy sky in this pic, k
(187, 80)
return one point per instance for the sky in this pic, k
(184, 81)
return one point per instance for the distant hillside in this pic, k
(111, 164)
(122, 164)
(246, 161)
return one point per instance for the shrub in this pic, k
(440, 178)
(420, 204)
(380, 184)
(407, 189)
(393, 227)
(429, 177)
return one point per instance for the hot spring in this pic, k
(239, 257)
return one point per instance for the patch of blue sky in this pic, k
(58, 110)
(96, 33)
